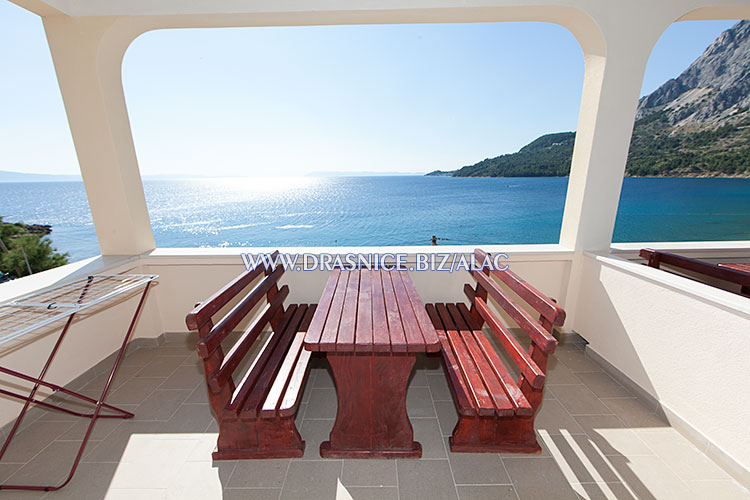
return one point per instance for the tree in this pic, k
(18, 240)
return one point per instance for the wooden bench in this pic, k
(256, 413)
(496, 413)
(731, 273)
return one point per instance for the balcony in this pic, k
(603, 434)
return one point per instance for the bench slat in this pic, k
(286, 372)
(504, 407)
(381, 340)
(255, 370)
(396, 329)
(261, 387)
(345, 342)
(538, 335)
(519, 401)
(412, 332)
(529, 369)
(479, 394)
(331, 328)
(429, 335)
(206, 309)
(458, 386)
(319, 321)
(543, 304)
(363, 333)
(290, 401)
(227, 324)
(240, 348)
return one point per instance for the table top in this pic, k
(371, 310)
(745, 268)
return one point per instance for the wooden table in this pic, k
(743, 268)
(371, 324)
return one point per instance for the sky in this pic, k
(290, 101)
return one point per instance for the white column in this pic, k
(87, 53)
(611, 89)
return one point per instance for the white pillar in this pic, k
(609, 100)
(87, 53)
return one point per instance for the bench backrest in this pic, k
(656, 258)
(219, 366)
(532, 364)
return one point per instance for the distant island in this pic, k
(695, 125)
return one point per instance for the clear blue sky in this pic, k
(287, 101)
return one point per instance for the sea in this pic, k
(383, 211)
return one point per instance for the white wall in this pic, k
(683, 342)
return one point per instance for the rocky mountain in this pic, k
(697, 124)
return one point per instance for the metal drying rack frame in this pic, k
(32, 312)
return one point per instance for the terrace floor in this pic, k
(599, 442)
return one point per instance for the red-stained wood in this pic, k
(220, 331)
(333, 321)
(536, 299)
(484, 366)
(738, 274)
(363, 332)
(393, 315)
(428, 331)
(474, 367)
(381, 337)
(480, 397)
(458, 386)
(273, 382)
(523, 360)
(348, 322)
(371, 335)
(239, 350)
(254, 371)
(538, 335)
(413, 334)
(315, 330)
(260, 389)
(371, 421)
(206, 309)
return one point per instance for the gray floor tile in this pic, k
(427, 432)
(579, 400)
(553, 418)
(447, 416)
(258, 474)
(603, 385)
(33, 439)
(373, 493)
(577, 361)
(185, 377)
(190, 418)
(713, 490)
(477, 468)
(419, 403)
(251, 494)
(161, 404)
(315, 432)
(161, 366)
(425, 480)
(322, 404)
(323, 378)
(494, 492)
(681, 455)
(611, 436)
(649, 478)
(134, 391)
(439, 387)
(369, 473)
(313, 480)
(634, 413)
(535, 478)
(417, 379)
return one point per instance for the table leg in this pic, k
(371, 421)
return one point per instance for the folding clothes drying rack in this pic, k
(32, 312)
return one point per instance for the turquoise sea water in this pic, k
(404, 210)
